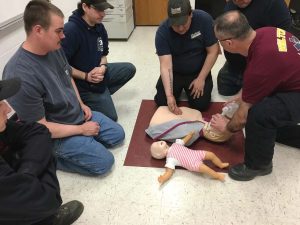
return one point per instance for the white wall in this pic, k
(192, 3)
(12, 37)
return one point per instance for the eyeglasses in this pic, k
(226, 39)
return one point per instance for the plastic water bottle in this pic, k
(230, 109)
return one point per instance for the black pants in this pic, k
(229, 81)
(269, 121)
(182, 83)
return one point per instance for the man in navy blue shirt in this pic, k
(187, 49)
(272, 13)
(86, 48)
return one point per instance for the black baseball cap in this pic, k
(98, 4)
(9, 87)
(179, 11)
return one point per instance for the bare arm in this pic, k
(103, 60)
(197, 85)
(166, 176)
(166, 73)
(58, 130)
(76, 91)
(78, 74)
(87, 111)
(96, 75)
(211, 58)
(239, 119)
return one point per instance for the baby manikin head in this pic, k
(159, 149)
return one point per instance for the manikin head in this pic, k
(159, 149)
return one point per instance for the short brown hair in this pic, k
(37, 12)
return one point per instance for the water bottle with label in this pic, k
(230, 109)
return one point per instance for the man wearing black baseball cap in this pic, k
(86, 48)
(29, 189)
(187, 49)
(100, 5)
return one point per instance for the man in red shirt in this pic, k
(269, 100)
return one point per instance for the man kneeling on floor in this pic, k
(269, 101)
(29, 189)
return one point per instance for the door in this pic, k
(150, 12)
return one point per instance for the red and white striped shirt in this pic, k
(179, 155)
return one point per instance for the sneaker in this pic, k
(68, 213)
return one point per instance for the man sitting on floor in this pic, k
(29, 189)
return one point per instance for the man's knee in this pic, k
(103, 165)
(160, 100)
(228, 82)
(131, 70)
(117, 136)
(260, 115)
(160, 97)
(201, 103)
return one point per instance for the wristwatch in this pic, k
(104, 65)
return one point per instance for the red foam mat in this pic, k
(138, 153)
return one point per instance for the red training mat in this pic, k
(138, 153)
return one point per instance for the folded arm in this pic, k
(58, 130)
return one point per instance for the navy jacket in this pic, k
(84, 47)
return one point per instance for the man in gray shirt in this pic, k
(49, 96)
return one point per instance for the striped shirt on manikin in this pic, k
(179, 155)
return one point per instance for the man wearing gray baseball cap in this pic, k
(187, 49)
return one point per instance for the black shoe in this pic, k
(68, 213)
(241, 172)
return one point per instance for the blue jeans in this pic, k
(118, 74)
(88, 155)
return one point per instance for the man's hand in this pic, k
(197, 87)
(219, 122)
(172, 105)
(87, 112)
(90, 128)
(96, 75)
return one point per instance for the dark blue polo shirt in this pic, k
(188, 50)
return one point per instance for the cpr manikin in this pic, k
(179, 155)
(163, 115)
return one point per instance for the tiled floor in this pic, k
(131, 195)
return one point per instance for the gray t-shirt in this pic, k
(46, 89)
